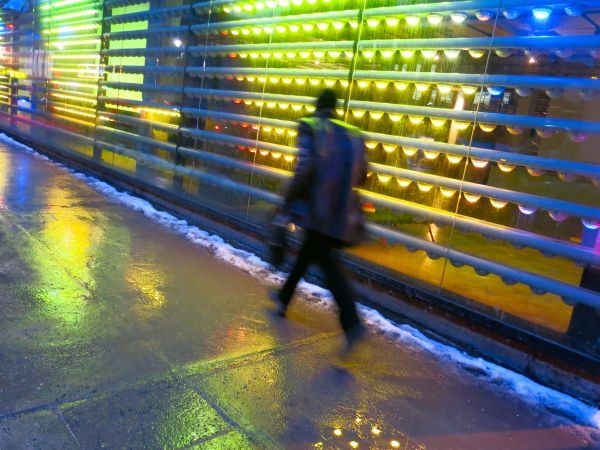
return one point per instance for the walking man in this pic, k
(331, 163)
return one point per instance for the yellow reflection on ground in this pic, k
(269, 380)
(367, 433)
(149, 281)
(69, 237)
(5, 169)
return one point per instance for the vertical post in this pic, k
(584, 328)
(104, 28)
(178, 179)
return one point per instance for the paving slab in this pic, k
(41, 430)
(157, 414)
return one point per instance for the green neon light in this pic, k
(87, 12)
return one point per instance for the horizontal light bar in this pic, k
(68, 29)
(86, 56)
(145, 122)
(137, 138)
(74, 111)
(266, 21)
(87, 12)
(468, 5)
(509, 81)
(74, 97)
(174, 11)
(443, 113)
(74, 84)
(138, 34)
(47, 6)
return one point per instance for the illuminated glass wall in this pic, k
(479, 119)
(54, 71)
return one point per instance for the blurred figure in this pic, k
(321, 198)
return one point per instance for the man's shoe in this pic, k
(280, 307)
(354, 335)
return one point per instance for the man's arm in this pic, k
(300, 183)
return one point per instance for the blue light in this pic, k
(1, 27)
(573, 10)
(495, 90)
(511, 13)
(24, 102)
(541, 13)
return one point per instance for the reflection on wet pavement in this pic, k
(119, 334)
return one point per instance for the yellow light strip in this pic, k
(72, 28)
(74, 84)
(138, 110)
(164, 112)
(73, 97)
(87, 12)
(80, 42)
(73, 119)
(88, 73)
(71, 92)
(90, 56)
(47, 6)
(72, 111)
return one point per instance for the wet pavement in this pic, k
(117, 333)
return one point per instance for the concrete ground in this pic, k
(117, 333)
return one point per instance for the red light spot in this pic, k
(244, 125)
(229, 78)
(225, 33)
(237, 101)
(217, 127)
(368, 207)
(232, 55)
(10, 25)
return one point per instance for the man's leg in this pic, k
(339, 285)
(307, 255)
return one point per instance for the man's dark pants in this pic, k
(321, 249)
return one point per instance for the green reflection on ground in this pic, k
(230, 440)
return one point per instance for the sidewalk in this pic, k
(118, 332)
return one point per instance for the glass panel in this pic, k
(310, 48)
(406, 95)
(530, 156)
(479, 119)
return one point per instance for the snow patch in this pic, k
(527, 389)
(10, 141)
